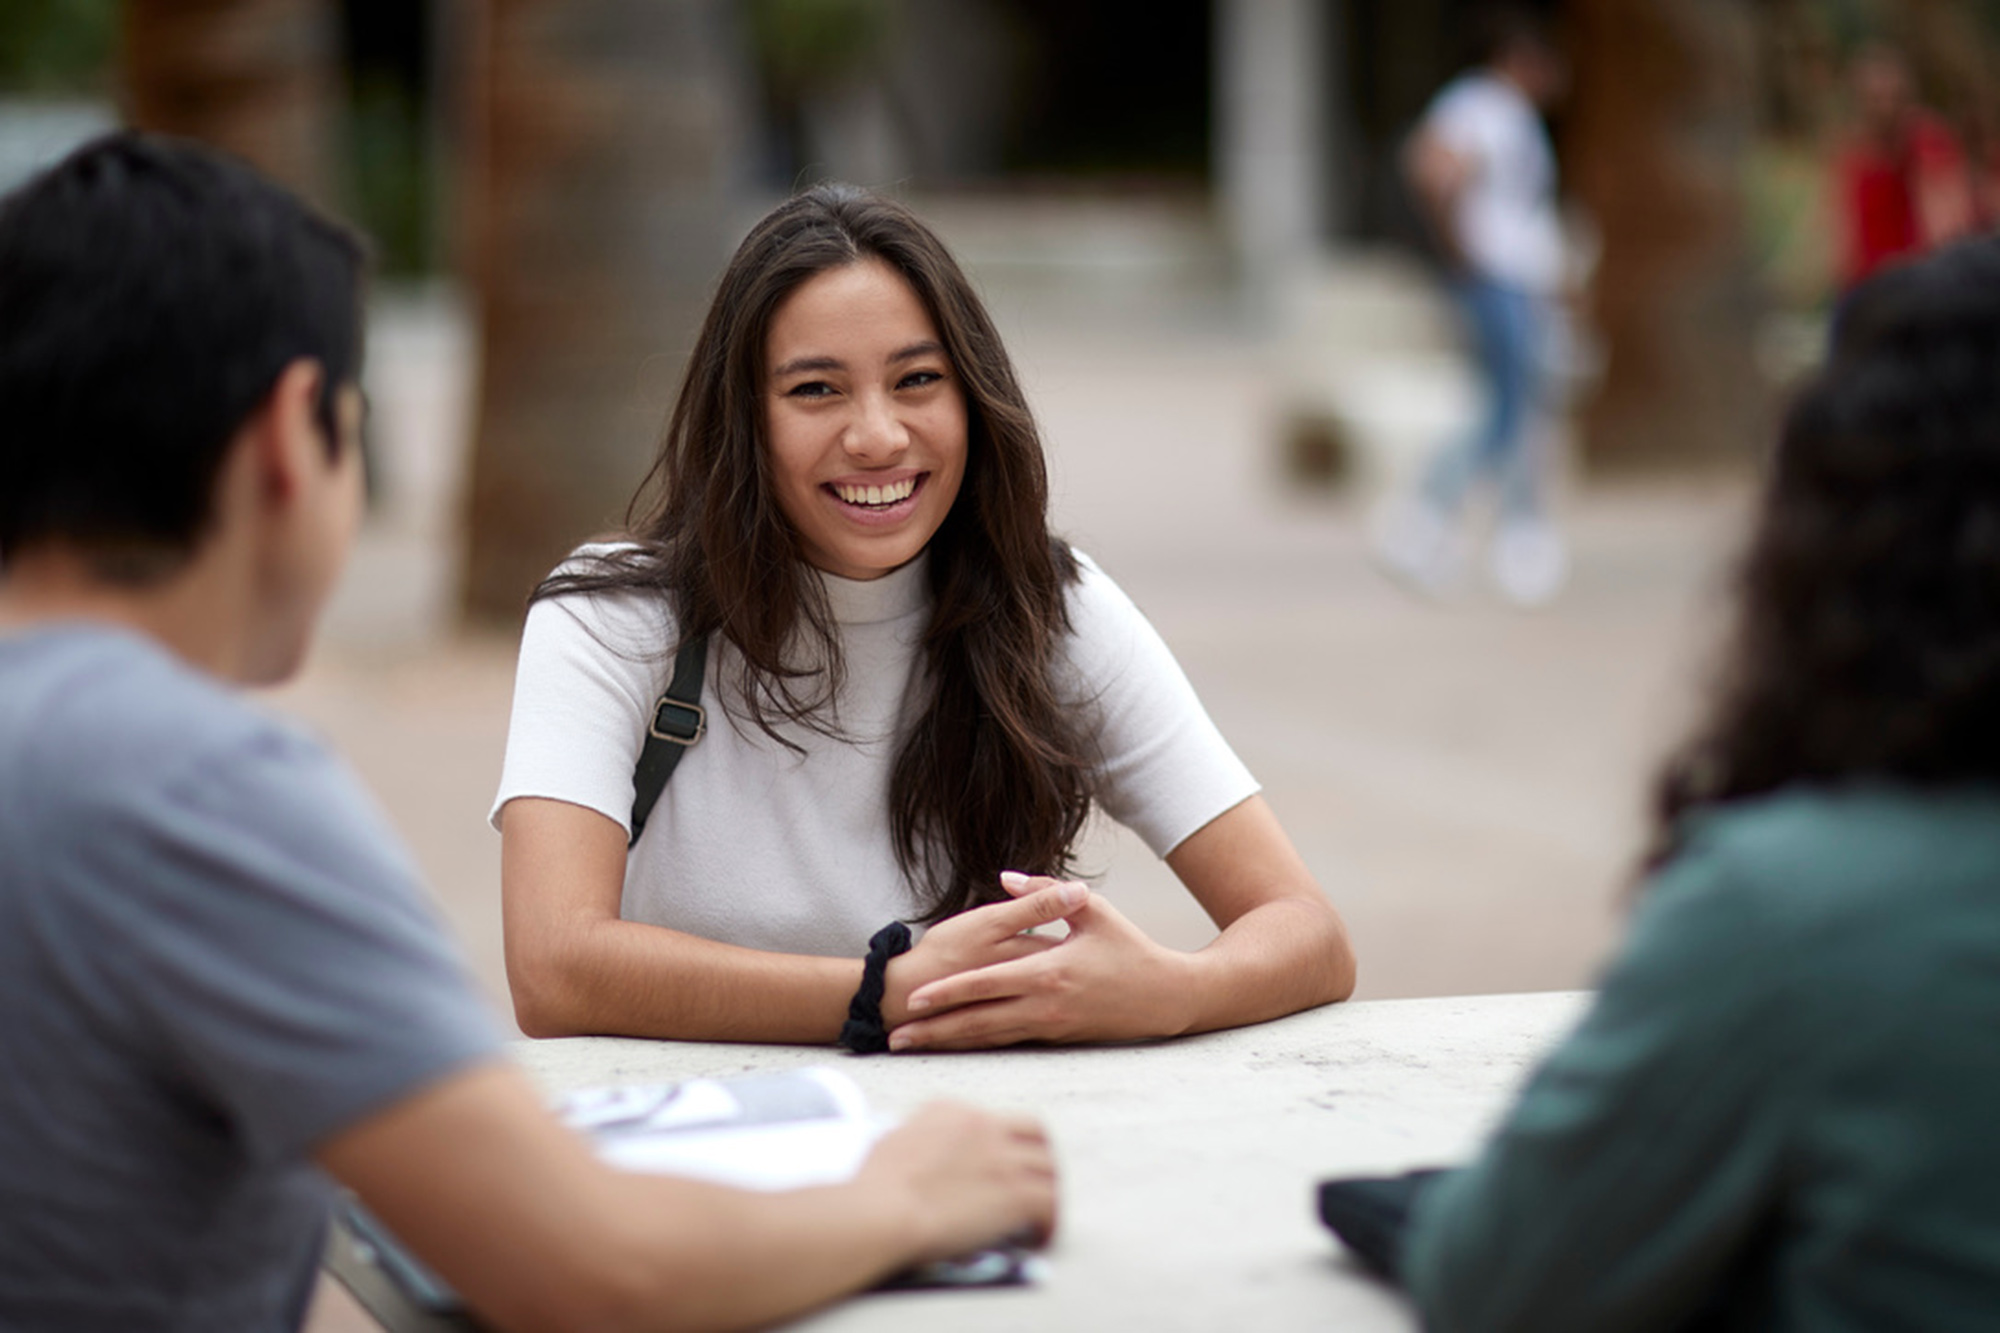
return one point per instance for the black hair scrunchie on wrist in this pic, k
(863, 1032)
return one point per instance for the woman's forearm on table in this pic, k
(1276, 959)
(625, 978)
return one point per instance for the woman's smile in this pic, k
(876, 495)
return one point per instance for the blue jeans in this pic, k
(1509, 329)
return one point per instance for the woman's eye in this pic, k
(810, 389)
(917, 379)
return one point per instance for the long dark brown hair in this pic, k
(1867, 638)
(996, 772)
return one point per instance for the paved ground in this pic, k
(1464, 778)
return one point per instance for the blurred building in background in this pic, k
(580, 169)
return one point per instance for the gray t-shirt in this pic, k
(213, 956)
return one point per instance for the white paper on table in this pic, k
(772, 1131)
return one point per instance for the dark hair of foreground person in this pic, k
(154, 290)
(1867, 635)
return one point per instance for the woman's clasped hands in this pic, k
(980, 979)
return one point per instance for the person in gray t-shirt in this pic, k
(211, 956)
(220, 984)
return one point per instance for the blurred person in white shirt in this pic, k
(1483, 173)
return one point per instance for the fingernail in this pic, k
(1013, 881)
(898, 1042)
(916, 1004)
(1073, 894)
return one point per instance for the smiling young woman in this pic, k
(915, 694)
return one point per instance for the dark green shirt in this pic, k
(1783, 1111)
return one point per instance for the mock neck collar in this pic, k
(900, 592)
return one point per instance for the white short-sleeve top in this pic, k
(1506, 218)
(757, 845)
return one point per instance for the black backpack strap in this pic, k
(678, 721)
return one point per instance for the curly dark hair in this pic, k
(1867, 634)
(997, 771)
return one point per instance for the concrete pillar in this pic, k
(1273, 88)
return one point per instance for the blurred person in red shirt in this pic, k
(1902, 180)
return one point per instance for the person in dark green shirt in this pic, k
(1783, 1110)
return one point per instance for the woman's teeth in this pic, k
(877, 496)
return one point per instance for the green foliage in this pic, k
(390, 167)
(1788, 226)
(806, 44)
(1988, 14)
(56, 46)
(1849, 23)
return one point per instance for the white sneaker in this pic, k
(1529, 563)
(1418, 546)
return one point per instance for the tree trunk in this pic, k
(1657, 129)
(601, 202)
(258, 78)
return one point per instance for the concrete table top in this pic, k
(1188, 1165)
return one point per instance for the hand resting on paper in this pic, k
(965, 1178)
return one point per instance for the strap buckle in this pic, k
(678, 730)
